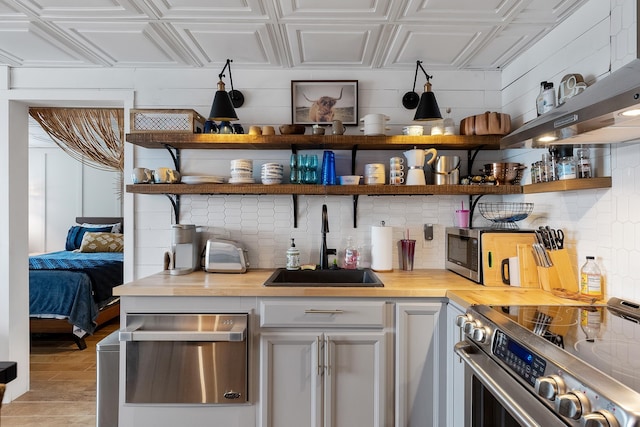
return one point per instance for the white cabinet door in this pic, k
(419, 362)
(291, 379)
(318, 379)
(355, 375)
(455, 370)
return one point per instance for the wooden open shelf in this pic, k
(568, 185)
(330, 190)
(329, 142)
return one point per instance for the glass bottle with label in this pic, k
(548, 98)
(350, 255)
(293, 257)
(583, 163)
(540, 98)
(591, 279)
(565, 165)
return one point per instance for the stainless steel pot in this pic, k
(446, 170)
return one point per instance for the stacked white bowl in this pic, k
(241, 171)
(375, 124)
(374, 174)
(271, 173)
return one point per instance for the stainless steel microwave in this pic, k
(477, 253)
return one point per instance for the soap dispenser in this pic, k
(293, 257)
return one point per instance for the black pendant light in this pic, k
(223, 105)
(427, 105)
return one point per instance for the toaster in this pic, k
(225, 256)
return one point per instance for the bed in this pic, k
(70, 291)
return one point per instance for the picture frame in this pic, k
(322, 101)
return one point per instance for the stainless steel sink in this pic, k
(320, 278)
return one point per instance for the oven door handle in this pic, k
(236, 333)
(491, 376)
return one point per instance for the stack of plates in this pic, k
(241, 172)
(202, 179)
(271, 173)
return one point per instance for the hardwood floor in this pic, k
(63, 384)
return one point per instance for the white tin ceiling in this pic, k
(445, 34)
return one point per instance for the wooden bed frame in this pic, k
(62, 326)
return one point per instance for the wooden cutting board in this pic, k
(495, 248)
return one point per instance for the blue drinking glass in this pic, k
(328, 168)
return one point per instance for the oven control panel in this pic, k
(522, 361)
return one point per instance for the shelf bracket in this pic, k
(354, 152)
(472, 207)
(175, 205)
(175, 156)
(294, 198)
(471, 158)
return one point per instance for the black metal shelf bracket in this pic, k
(175, 205)
(471, 158)
(175, 156)
(472, 207)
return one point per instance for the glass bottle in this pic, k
(449, 125)
(548, 98)
(293, 257)
(591, 279)
(566, 165)
(350, 255)
(583, 163)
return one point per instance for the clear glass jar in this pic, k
(566, 168)
(548, 172)
(448, 124)
(583, 163)
(540, 99)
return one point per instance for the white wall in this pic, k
(602, 223)
(61, 189)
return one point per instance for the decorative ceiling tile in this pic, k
(126, 44)
(445, 34)
(247, 44)
(25, 44)
(321, 45)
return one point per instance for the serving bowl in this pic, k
(350, 179)
(292, 129)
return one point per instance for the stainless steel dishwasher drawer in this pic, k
(185, 358)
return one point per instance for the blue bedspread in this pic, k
(72, 284)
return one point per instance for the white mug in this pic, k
(166, 176)
(396, 180)
(141, 176)
(510, 271)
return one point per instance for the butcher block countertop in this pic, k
(397, 284)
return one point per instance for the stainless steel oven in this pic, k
(551, 365)
(185, 358)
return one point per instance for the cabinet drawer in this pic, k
(332, 313)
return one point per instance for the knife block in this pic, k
(548, 278)
(567, 278)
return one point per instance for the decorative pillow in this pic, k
(76, 232)
(116, 227)
(102, 242)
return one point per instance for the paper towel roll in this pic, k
(381, 248)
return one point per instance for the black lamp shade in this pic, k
(428, 107)
(222, 108)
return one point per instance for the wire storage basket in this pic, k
(505, 214)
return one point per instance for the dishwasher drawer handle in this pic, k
(322, 311)
(205, 336)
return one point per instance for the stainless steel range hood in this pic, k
(592, 117)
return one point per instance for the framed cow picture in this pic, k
(323, 101)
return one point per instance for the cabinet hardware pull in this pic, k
(322, 311)
(328, 356)
(319, 355)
